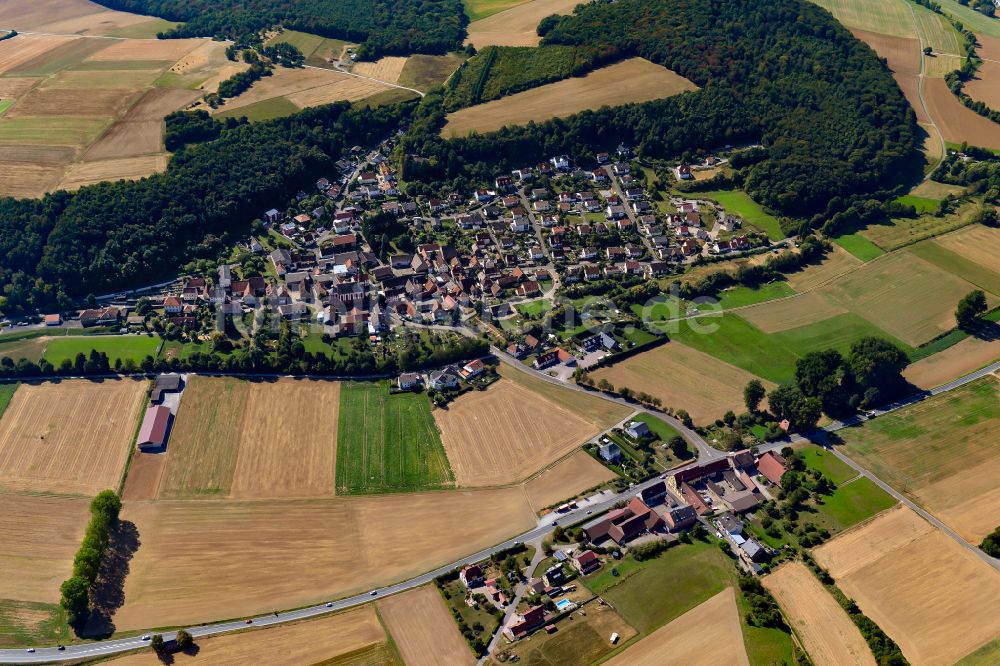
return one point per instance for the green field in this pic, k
(6, 393)
(981, 276)
(737, 202)
(921, 204)
(740, 296)
(5, 104)
(534, 308)
(971, 19)
(479, 9)
(318, 51)
(988, 655)
(32, 623)
(135, 347)
(889, 17)
(68, 130)
(838, 332)
(737, 341)
(830, 465)
(930, 440)
(657, 426)
(859, 246)
(851, 503)
(267, 109)
(387, 443)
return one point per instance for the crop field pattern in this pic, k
(505, 433)
(423, 629)
(388, 443)
(516, 26)
(933, 597)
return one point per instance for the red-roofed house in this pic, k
(772, 467)
(531, 619)
(586, 562)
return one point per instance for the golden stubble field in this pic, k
(516, 26)
(683, 378)
(423, 628)
(829, 635)
(565, 479)
(70, 437)
(354, 633)
(240, 439)
(630, 81)
(75, 17)
(936, 599)
(709, 633)
(287, 553)
(505, 433)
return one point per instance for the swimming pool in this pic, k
(563, 604)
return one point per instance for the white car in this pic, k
(329, 604)
(373, 593)
(30, 650)
(145, 637)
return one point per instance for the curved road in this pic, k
(116, 646)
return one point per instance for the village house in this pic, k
(472, 576)
(610, 452)
(444, 379)
(409, 381)
(772, 467)
(100, 317)
(586, 562)
(525, 623)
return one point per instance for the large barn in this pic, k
(153, 433)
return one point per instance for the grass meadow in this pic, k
(135, 347)
(859, 246)
(739, 203)
(388, 442)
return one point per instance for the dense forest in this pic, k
(833, 122)
(114, 235)
(382, 27)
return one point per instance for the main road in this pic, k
(542, 530)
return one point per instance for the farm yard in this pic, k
(829, 635)
(883, 565)
(424, 631)
(241, 439)
(388, 443)
(505, 433)
(940, 452)
(334, 639)
(683, 378)
(633, 80)
(190, 550)
(514, 26)
(709, 633)
(71, 437)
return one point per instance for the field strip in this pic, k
(361, 76)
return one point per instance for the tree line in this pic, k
(75, 590)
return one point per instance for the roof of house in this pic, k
(170, 382)
(586, 558)
(772, 466)
(154, 426)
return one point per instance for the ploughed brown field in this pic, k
(936, 599)
(986, 86)
(423, 629)
(957, 122)
(70, 437)
(632, 80)
(709, 633)
(505, 433)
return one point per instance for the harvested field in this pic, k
(782, 315)
(884, 567)
(125, 81)
(423, 629)
(126, 168)
(902, 294)
(566, 479)
(144, 474)
(301, 84)
(318, 641)
(24, 48)
(256, 550)
(683, 378)
(202, 69)
(889, 17)
(958, 123)
(41, 534)
(969, 253)
(709, 633)
(158, 102)
(967, 356)
(148, 49)
(69, 437)
(12, 87)
(506, 433)
(70, 102)
(602, 413)
(630, 81)
(984, 87)
(837, 262)
(62, 56)
(18, 179)
(829, 635)
(245, 439)
(423, 72)
(516, 26)
(66, 16)
(387, 68)
(132, 139)
(349, 89)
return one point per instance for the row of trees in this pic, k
(75, 590)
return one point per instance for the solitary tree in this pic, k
(156, 642)
(753, 393)
(970, 308)
(184, 640)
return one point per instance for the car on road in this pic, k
(663, 476)
(373, 593)
(555, 523)
(589, 512)
(29, 649)
(329, 604)
(145, 637)
(61, 648)
(248, 621)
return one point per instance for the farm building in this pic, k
(772, 466)
(153, 432)
(164, 384)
